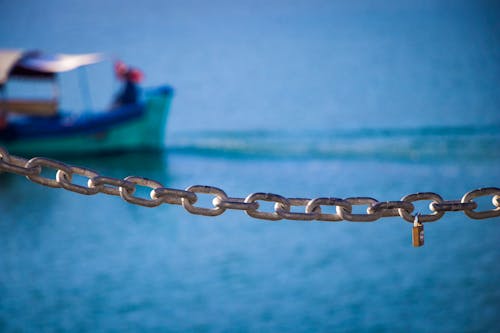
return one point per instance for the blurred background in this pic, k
(298, 98)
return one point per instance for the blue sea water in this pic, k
(298, 98)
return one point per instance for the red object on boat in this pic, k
(124, 73)
(121, 69)
(135, 75)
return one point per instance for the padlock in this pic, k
(417, 232)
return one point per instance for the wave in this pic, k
(430, 143)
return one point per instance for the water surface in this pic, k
(302, 99)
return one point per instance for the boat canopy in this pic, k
(38, 64)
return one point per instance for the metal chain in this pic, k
(312, 208)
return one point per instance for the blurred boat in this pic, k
(136, 120)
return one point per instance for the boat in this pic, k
(136, 120)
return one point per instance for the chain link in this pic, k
(110, 185)
(470, 196)
(369, 217)
(436, 198)
(219, 194)
(41, 162)
(285, 211)
(279, 201)
(127, 194)
(312, 208)
(173, 196)
(391, 208)
(17, 165)
(64, 180)
(314, 205)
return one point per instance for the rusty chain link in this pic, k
(313, 209)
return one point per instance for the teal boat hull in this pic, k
(143, 128)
